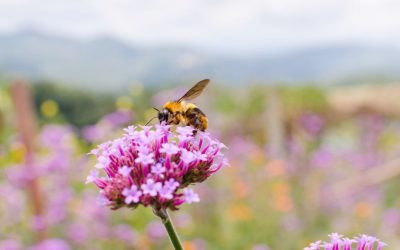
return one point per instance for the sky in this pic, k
(229, 26)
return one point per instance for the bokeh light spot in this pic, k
(124, 102)
(49, 108)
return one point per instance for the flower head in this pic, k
(337, 242)
(154, 165)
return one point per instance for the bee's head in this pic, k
(163, 115)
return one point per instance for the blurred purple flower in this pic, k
(102, 129)
(10, 244)
(361, 159)
(125, 233)
(20, 175)
(78, 232)
(312, 123)
(391, 218)
(118, 118)
(92, 133)
(183, 220)
(200, 244)
(156, 230)
(322, 158)
(56, 137)
(260, 247)
(51, 244)
(38, 223)
(57, 205)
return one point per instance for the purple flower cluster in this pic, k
(338, 242)
(154, 165)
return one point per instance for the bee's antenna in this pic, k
(156, 109)
(150, 120)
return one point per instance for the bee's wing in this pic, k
(195, 91)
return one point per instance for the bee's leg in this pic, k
(174, 118)
(178, 118)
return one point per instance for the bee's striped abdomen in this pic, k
(196, 118)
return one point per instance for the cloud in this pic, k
(218, 25)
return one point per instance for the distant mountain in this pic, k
(108, 64)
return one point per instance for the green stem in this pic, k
(171, 231)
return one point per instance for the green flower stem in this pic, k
(171, 231)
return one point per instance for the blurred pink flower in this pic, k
(260, 247)
(312, 123)
(156, 230)
(38, 223)
(322, 158)
(391, 218)
(125, 233)
(105, 125)
(10, 244)
(78, 232)
(51, 244)
(118, 118)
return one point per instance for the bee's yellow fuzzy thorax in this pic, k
(179, 106)
(190, 106)
(174, 106)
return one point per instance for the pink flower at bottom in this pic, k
(364, 242)
(154, 165)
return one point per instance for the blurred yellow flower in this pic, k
(149, 113)
(49, 108)
(5, 100)
(281, 198)
(17, 152)
(363, 209)
(188, 245)
(144, 242)
(136, 89)
(283, 203)
(124, 102)
(240, 213)
(280, 188)
(240, 189)
(276, 168)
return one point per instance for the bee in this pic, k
(179, 112)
